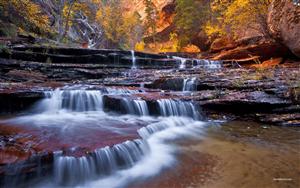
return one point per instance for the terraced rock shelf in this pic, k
(103, 114)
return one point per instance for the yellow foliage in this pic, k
(171, 46)
(112, 22)
(140, 46)
(120, 29)
(213, 29)
(235, 15)
(175, 42)
(70, 10)
(29, 12)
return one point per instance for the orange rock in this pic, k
(224, 43)
(265, 50)
(191, 49)
(268, 64)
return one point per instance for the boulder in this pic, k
(284, 23)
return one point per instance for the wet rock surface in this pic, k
(268, 95)
(232, 90)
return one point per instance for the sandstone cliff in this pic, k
(284, 23)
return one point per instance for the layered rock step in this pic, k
(111, 58)
(257, 105)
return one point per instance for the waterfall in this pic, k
(72, 100)
(133, 59)
(207, 64)
(137, 107)
(166, 108)
(189, 84)
(70, 171)
(118, 164)
(171, 107)
(182, 62)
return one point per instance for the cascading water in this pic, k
(207, 64)
(133, 59)
(199, 63)
(72, 100)
(119, 164)
(129, 160)
(69, 170)
(171, 107)
(189, 84)
(138, 107)
(182, 62)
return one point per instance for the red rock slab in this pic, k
(19, 142)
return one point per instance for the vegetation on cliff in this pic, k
(144, 25)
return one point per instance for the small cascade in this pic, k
(133, 59)
(189, 84)
(173, 122)
(171, 107)
(124, 162)
(149, 154)
(182, 62)
(207, 64)
(137, 107)
(72, 100)
(70, 171)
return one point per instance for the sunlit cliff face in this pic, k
(164, 18)
(138, 5)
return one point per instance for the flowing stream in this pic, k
(114, 137)
(97, 147)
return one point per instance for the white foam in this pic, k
(161, 155)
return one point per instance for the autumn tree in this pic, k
(248, 14)
(151, 18)
(234, 16)
(68, 14)
(190, 14)
(121, 29)
(133, 30)
(26, 14)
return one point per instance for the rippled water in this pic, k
(94, 148)
(236, 154)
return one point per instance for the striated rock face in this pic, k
(284, 23)
(263, 50)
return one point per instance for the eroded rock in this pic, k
(284, 23)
